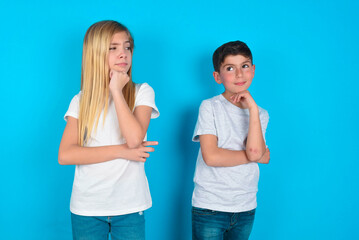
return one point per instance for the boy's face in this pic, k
(236, 74)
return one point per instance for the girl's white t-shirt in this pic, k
(115, 187)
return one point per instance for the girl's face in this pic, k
(120, 53)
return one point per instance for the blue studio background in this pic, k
(306, 56)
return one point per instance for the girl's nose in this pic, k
(121, 54)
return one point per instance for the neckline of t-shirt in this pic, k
(232, 107)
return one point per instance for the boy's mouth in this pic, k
(240, 83)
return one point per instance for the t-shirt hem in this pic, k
(112, 212)
(225, 209)
(155, 113)
(195, 137)
(70, 114)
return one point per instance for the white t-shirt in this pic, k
(226, 189)
(115, 187)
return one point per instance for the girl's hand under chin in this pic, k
(118, 80)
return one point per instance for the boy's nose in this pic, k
(239, 73)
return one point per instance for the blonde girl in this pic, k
(105, 137)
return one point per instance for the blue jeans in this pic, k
(122, 227)
(215, 225)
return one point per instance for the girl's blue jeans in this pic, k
(122, 227)
(214, 225)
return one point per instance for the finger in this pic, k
(124, 75)
(150, 143)
(149, 149)
(145, 155)
(238, 98)
(233, 98)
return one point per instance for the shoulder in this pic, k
(263, 113)
(145, 95)
(210, 101)
(74, 107)
(144, 91)
(76, 98)
(143, 87)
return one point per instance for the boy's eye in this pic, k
(128, 48)
(229, 68)
(245, 66)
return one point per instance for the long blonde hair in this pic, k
(95, 77)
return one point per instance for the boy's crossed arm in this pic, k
(255, 146)
(220, 157)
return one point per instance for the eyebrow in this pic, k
(232, 64)
(120, 43)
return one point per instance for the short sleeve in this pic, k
(146, 97)
(205, 123)
(73, 110)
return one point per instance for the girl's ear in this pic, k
(217, 77)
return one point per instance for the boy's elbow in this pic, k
(254, 155)
(209, 159)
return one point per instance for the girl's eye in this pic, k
(229, 68)
(112, 48)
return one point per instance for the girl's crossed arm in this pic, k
(133, 125)
(70, 153)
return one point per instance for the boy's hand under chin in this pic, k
(118, 80)
(245, 100)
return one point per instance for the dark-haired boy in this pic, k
(230, 129)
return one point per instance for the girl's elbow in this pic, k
(62, 158)
(134, 143)
(135, 139)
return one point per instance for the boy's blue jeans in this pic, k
(215, 225)
(122, 227)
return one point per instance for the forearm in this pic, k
(130, 128)
(255, 146)
(76, 155)
(220, 157)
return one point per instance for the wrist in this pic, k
(116, 93)
(121, 151)
(253, 109)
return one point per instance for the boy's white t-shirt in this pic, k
(226, 189)
(115, 187)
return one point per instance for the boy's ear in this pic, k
(254, 68)
(217, 77)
